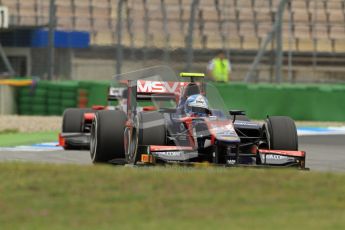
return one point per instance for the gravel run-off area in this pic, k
(30, 124)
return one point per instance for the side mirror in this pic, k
(237, 112)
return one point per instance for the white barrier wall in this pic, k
(7, 100)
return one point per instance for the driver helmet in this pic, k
(196, 105)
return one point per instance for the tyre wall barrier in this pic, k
(96, 92)
(301, 102)
(47, 98)
(52, 98)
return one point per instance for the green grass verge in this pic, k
(102, 197)
(14, 139)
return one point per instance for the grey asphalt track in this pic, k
(324, 153)
(59, 157)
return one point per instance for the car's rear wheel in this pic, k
(150, 129)
(107, 136)
(72, 122)
(281, 133)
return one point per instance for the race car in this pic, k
(190, 126)
(76, 122)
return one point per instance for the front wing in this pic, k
(176, 154)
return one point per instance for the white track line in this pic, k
(314, 131)
(43, 147)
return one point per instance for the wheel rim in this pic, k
(126, 143)
(131, 146)
(93, 139)
(268, 136)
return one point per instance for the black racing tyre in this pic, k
(72, 121)
(150, 129)
(107, 136)
(281, 133)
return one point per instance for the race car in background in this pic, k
(76, 122)
(190, 126)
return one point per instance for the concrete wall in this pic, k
(7, 100)
(88, 69)
(103, 69)
(98, 63)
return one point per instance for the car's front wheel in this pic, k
(281, 133)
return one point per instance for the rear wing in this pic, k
(192, 75)
(160, 89)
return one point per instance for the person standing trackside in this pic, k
(219, 68)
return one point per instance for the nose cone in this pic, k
(222, 130)
(225, 133)
(228, 138)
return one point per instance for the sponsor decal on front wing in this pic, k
(276, 159)
(169, 154)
